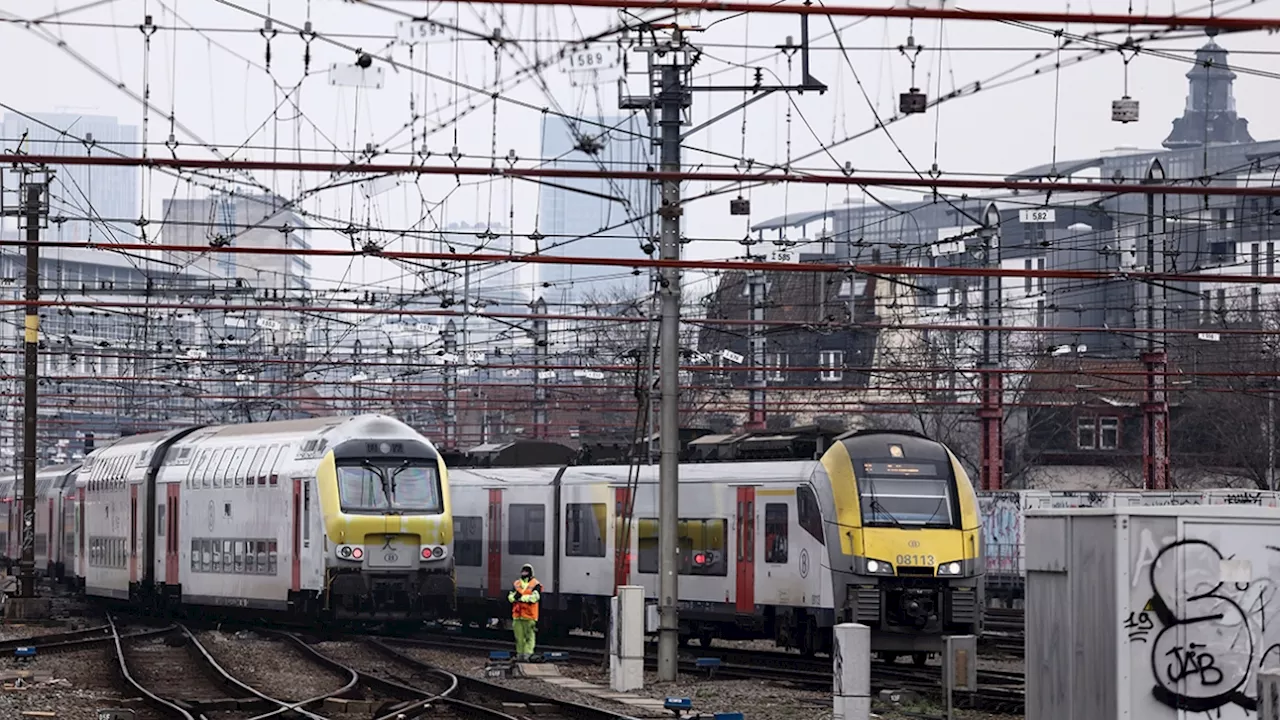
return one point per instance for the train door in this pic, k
(171, 529)
(746, 574)
(51, 540)
(626, 529)
(495, 584)
(133, 533)
(297, 535)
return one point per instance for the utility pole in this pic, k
(540, 349)
(1155, 408)
(450, 385)
(34, 208)
(669, 63)
(992, 380)
(756, 289)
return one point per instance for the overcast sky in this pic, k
(216, 82)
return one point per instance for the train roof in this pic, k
(47, 478)
(787, 471)
(347, 425)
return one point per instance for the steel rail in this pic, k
(151, 698)
(283, 706)
(476, 685)
(1028, 186)
(388, 687)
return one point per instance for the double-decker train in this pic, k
(336, 517)
(882, 530)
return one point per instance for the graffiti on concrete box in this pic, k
(1211, 623)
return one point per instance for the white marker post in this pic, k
(626, 639)
(851, 654)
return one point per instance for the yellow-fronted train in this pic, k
(335, 518)
(882, 530)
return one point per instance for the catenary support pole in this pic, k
(1155, 407)
(991, 412)
(31, 349)
(671, 101)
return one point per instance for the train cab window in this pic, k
(776, 524)
(584, 527)
(410, 487)
(468, 541)
(808, 513)
(527, 530)
(894, 493)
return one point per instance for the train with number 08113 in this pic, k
(882, 530)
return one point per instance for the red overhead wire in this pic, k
(1175, 21)
(743, 265)
(1032, 186)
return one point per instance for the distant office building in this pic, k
(266, 221)
(100, 203)
(593, 217)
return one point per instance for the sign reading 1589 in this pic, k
(589, 59)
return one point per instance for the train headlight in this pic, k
(951, 568)
(878, 567)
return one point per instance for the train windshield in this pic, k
(405, 487)
(896, 493)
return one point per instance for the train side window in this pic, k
(239, 556)
(306, 513)
(584, 525)
(253, 467)
(217, 557)
(775, 532)
(647, 536)
(228, 469)
(261, 556)
(271, 557)
(195, 555)
(235, 472)
(702, 546)
(809, 514)
(160, 517)
(215, 459)
(468, 541)
(527, 530)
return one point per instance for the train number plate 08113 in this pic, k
(915, 560)
(389, 552)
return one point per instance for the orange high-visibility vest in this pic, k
(527, 596)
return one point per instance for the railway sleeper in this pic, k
(250, 704)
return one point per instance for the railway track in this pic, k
(391, 672)
(999, 691)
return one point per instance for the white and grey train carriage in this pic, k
(55, 519)
(343, 517)
(738, 577)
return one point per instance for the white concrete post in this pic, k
(851, 653)
(626, 639)
(1269, 695)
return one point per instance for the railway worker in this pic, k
(524, 611)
